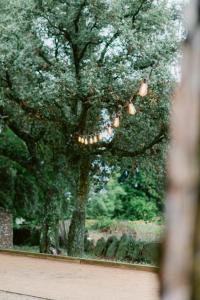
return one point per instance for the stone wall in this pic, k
(6, 230)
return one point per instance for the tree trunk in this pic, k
(181, 266)
(44, 241)
(75, 244)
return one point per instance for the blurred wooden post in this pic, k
(181, 264)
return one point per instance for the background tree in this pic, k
(67, 70)
(136, 194)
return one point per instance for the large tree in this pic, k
(67, 68)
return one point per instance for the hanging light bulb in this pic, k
(110, 130)
(91, 140)
(131, 108)
(85, 141)
(95, 140)
(100, 136)
(116, 122)
(79, 139)
(143, 88)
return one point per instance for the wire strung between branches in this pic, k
(108, 131)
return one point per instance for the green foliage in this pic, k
(100, 247)
(107, 201)
(102, 223)
(137, 197)
(112, 246)
(33, 249)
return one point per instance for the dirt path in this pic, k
(14, 296)
(70, 281)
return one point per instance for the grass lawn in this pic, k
(140, 230)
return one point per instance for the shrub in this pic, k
(103, 223)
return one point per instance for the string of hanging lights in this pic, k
(108, 131)
(143, 88)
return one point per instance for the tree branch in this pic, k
(124, 153)
(42, 54)
(158, 139)
(34, 112)
(136, 13)
(12, 95)
(29, 140)
(76, 21)
(23, 161)
(103, 53)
